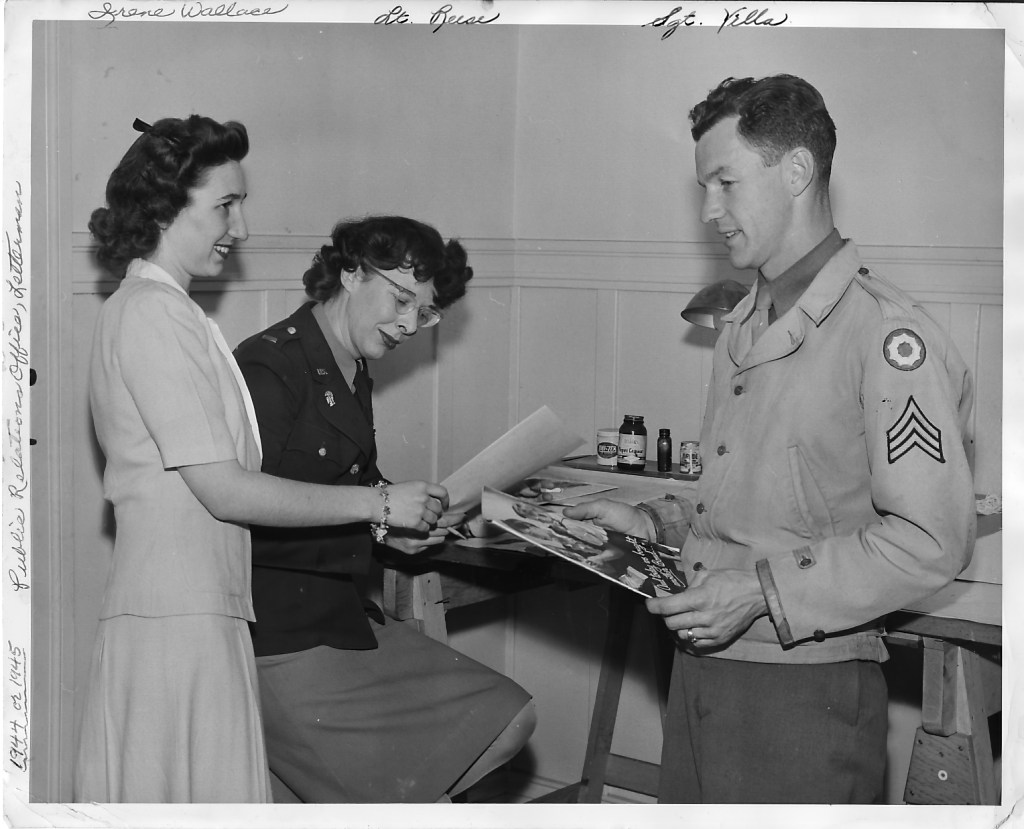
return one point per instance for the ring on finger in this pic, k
(691, 637)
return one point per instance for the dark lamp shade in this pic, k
(712, 302)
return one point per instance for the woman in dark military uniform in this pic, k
(358, 708)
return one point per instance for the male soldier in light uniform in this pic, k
(835, 486)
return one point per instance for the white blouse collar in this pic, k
(144, 269)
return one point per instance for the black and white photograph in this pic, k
(275, 270)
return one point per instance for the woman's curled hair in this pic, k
(150, 186)
(387, 243)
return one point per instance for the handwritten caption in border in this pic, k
(16, 378)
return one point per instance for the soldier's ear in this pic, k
(799, 169)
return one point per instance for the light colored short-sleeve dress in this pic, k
(172, 709)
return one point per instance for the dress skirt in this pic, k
(173, 714)
(397, 724)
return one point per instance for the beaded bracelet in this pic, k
(380, 530)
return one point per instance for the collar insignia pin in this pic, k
(322, 372)
(329, 397)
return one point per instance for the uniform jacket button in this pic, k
(738, 390)
(819, 636)
(700, 509)
(291, 329)
(721, 449)
(322, 452)
(355, 469)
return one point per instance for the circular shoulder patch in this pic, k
(903, 349)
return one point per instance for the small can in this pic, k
(689, 458)
(608, 446)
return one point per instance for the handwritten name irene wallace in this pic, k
(112, 12)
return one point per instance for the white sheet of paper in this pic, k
(533, 443)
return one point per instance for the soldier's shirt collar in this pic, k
(789, 286)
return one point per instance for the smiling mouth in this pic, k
(223, 250)
(389, 341)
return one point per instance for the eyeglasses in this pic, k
(405, 301)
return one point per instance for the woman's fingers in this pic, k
(417, 505)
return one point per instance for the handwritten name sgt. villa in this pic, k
(741, 16)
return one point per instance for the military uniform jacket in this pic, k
(312, 429)
(833, 464)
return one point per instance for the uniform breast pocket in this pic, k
(321, 456)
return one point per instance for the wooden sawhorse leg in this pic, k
(952, 758)
(606, 701)
(418, 600)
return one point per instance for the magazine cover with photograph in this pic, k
(642, 566)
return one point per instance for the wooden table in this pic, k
(959, 630)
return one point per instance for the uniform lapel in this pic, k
(334, 399)
(781, 339)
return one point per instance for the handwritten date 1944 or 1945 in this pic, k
(731, 18)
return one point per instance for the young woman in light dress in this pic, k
(172, 712)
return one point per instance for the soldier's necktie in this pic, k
(763, 311)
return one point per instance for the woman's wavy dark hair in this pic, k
(385, 243)
(150, 186)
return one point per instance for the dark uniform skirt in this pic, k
(398, 724)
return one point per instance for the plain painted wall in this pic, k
(603, 114)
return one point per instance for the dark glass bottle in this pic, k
(632, 444)
(664, 450)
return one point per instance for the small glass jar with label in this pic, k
(632, 444)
